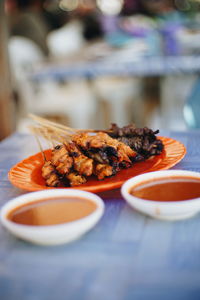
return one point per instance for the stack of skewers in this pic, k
(80, 154)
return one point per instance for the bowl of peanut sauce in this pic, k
(167, 195)
(52, 217)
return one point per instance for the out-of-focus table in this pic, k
(117, 66)
(177, 76)
(126, 256)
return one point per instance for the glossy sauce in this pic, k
(52, 211)
(168, 189)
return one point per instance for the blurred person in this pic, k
(54, 16)
(158, 7)
(89, 18)
(131, 7)
(165, 11)
(29, 19)
(91, 27)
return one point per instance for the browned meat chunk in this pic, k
(49, 174)
(101, 143)
(102, 171)
(75, 179)
(81, 163)
(61, 159)
(141, 140)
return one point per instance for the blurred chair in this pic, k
(73, 99)
(66, 40)
(118, 94)
(174, 90)
(192, 107)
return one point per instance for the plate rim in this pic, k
(92, 188)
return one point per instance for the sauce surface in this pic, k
(52, 211)
(168, 189)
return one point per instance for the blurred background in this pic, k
(87, 63)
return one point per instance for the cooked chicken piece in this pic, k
(102, 171)
(53, 180)
(112, 148)
(61, 159)
(76, 159)
(81, 163)
(102, 154)
(75, 179)
(124, 152)
(125, 155)
(49, 174)
(87, 141)
(82, 140)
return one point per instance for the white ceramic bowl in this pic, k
(53, 234)
(174, 210)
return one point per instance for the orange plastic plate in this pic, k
(26, 174)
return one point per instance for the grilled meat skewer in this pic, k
(75, 179)
(104, 149)
(102, 154)
(50, 175)
(141, 140)
(61, 159)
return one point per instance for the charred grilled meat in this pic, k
(61, 159)
(102, 171)
(50, 175)
(75, 179)
(100, 154)
(141, 140)
(81, 163)
(105, 150)
(87, 154)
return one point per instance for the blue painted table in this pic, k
(142, 66)
(126, 256)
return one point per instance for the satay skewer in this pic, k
(32, 129)
(51, 124)
(62, 129)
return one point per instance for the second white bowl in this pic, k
(172, 210)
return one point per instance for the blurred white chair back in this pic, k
(66, 40)
(119, 94)
(73, 100)
(23, 54)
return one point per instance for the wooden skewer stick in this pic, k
(55, 129)
(52, 124)
(64, 128)
(52, 131)
(48, 136)
(51, 134)
(38, 142)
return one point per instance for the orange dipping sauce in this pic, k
(52, 211)
(168, 189)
